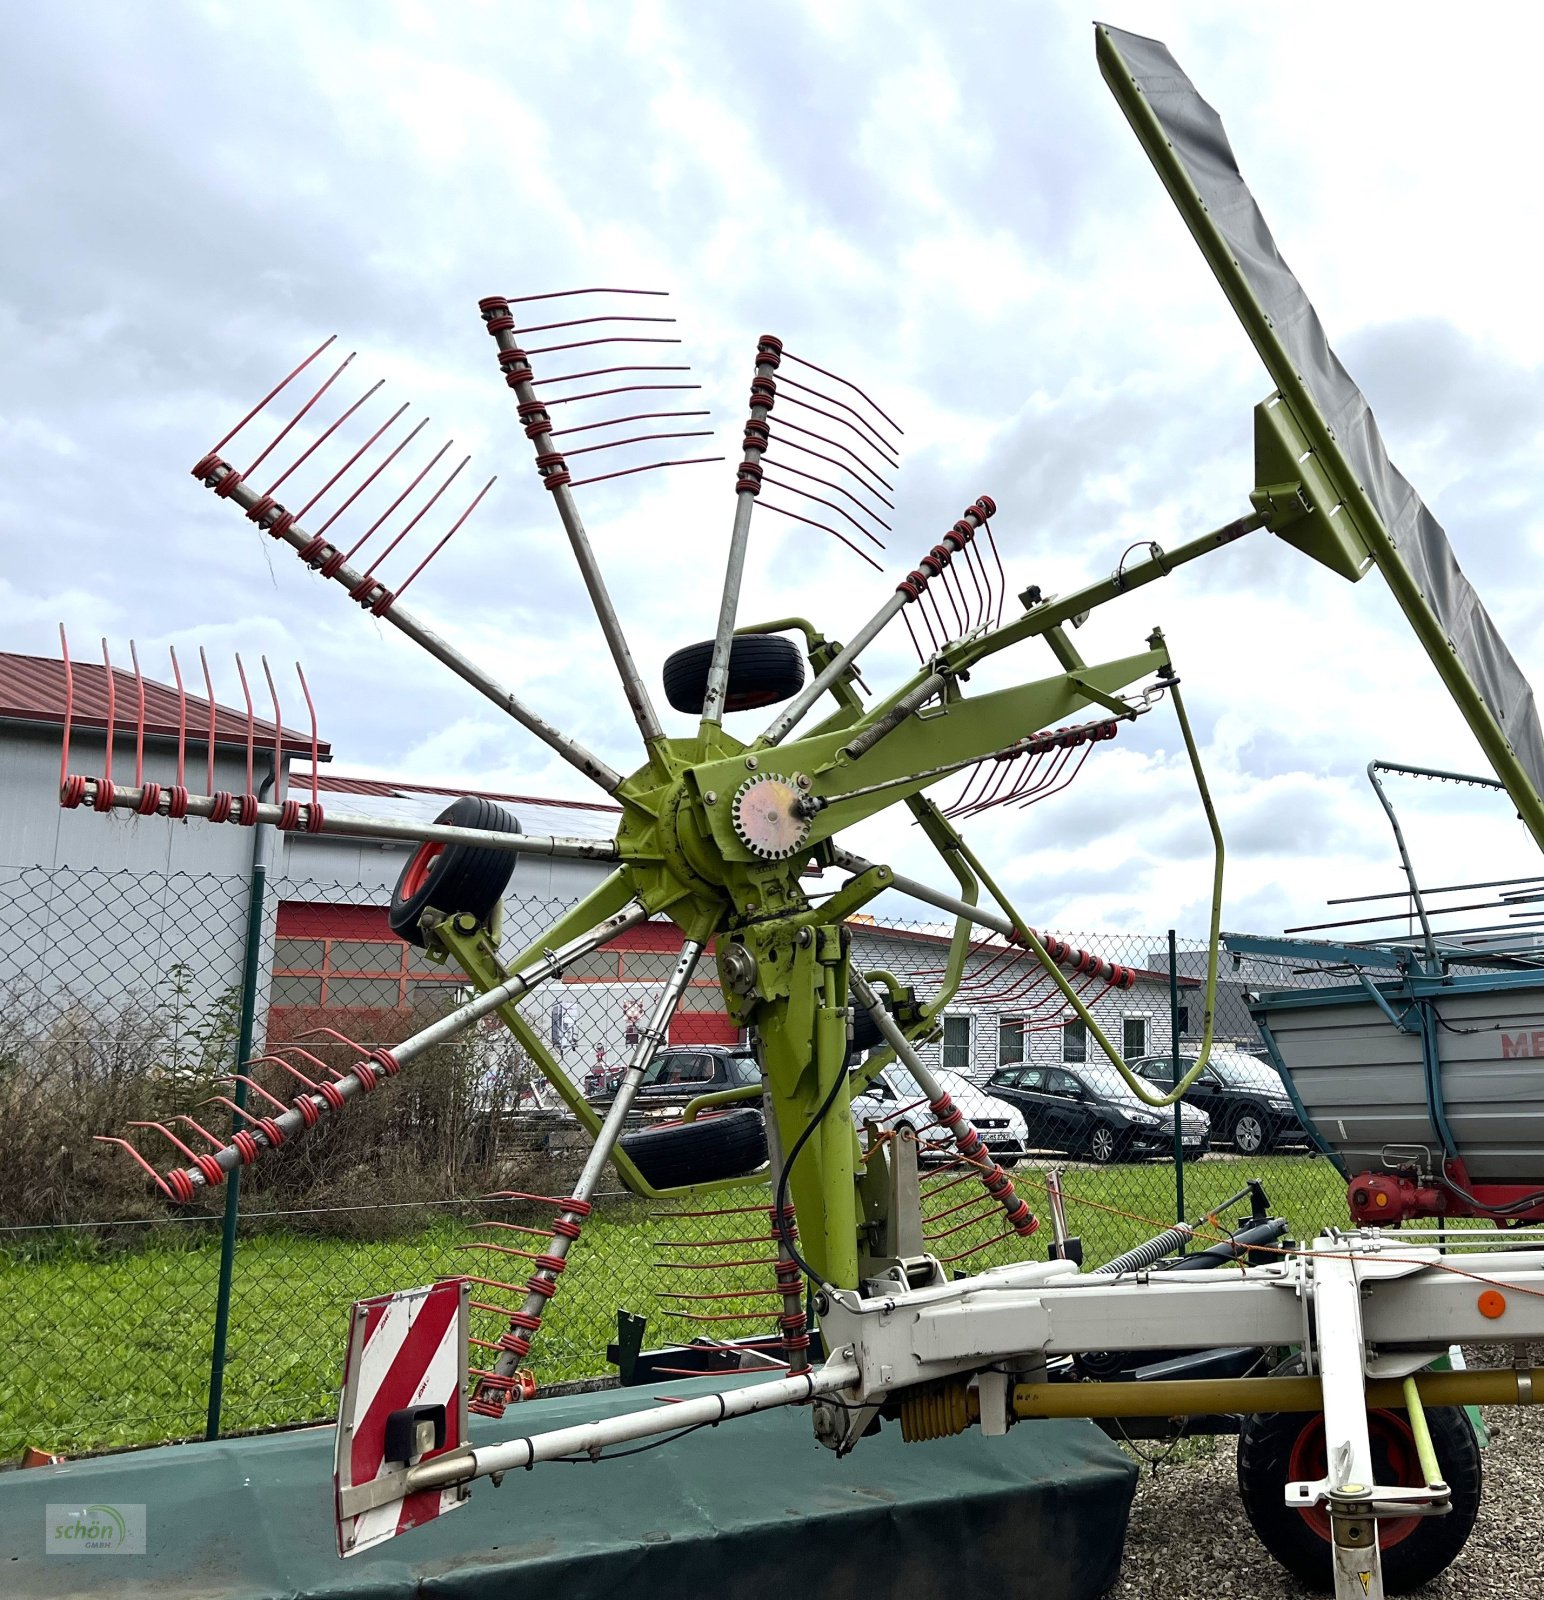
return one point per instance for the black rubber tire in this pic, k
(763, 669)
(865, 1031)
(1265, 1445)
(1247, 1145)
(724, 1146)
(454, 878)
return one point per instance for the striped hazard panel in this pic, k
(404, 1402)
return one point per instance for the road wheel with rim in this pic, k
(454, 878)
(1288, 1447)
(1104, 1145)
(1251, 1130)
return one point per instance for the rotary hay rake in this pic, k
(717, 835)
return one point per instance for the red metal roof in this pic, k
(32, 690)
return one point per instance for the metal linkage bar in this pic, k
(376, 598)
(747, 487)
(311, 817)
(366, 1075)
(494, 1392)
(1066, 956)
(911, 587)
(593, 1438)
(555, 477)
(969, 1143)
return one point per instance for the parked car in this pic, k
(1244, 1096)
(679, 1073)
(894, 1101)
(1091, 1111)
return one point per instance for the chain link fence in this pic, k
(121, 1000)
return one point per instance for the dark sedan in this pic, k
(1244, 1096)
(1090, 1111)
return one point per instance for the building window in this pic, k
(1133, 1037)
(360, 974)
(1010, 1042)
(956, 1044)
(1075, 1041)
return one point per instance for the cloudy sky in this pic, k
(942, 203)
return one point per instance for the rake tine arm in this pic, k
(367, 1074)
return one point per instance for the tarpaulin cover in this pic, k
(753, 1508)
(1197, 142)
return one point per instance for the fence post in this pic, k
(1179, 1138)
(222, 1309)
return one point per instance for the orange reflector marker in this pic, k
(1492, 1303)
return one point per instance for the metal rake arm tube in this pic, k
(584, 553)
(833, 672)
(293, 1121)
(297, 538)
(343, 825)
(571, 1217)
(1138, 1086)
(590, 1438)
(967, 1141)
(746, 489)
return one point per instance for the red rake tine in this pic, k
(637, 416)
(783, 425)
(72, 790)
(159, 1181)
(370, 531)
(323, 437)
(105, 787)
(781, 439)
(625, 388)
(329, 1033)
(314, 820)
(568, 294)
(284, 431)
(139, 725)
(809, 522)
(182, 724)
(582, 322)
(846, 383)
(619, 338)
(604, 372)
(278, 735)
(418, 516)
(198, 1127)
(798, 472)
(209, 696)
(161, 1128)
(640, 438)
(476, 501)
(351, 460)
(652, 466)
(248, 798)
(396, 450)
(256, 1088)
(283, 383)
(859, 423)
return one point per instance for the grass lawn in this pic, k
(111, 1346)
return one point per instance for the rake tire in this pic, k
(725, 1146)
(764, 668)
(454, 878)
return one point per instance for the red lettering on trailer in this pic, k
(1514, 1045)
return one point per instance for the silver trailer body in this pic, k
(1453, 1064)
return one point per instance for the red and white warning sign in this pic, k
(403, 1403)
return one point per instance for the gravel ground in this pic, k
(1189, 1537)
